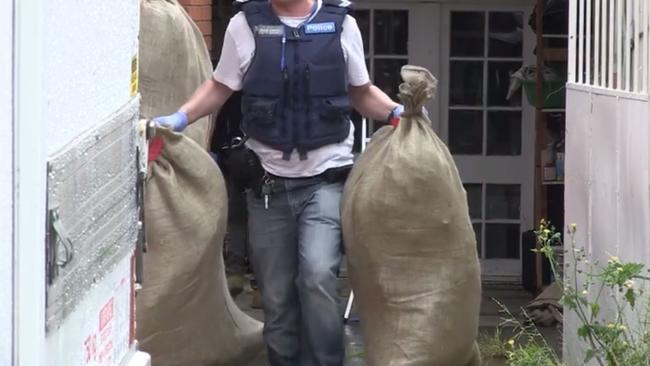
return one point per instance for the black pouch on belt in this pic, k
(245, 167)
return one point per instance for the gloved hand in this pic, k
(396, 113)
(177, 121)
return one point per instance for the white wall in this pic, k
(6, 150)
(607, 182)
(89, 46)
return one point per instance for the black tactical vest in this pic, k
(295, 91)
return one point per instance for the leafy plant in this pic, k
(492, 345)
(527, 347)
(614, 338)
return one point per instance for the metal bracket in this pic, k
(60, 246)
(144, 132)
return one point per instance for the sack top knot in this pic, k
(418, 87)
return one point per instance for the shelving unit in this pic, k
(547, 192)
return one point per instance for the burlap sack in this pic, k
(185, 315)
(174, 61)
(411, 249)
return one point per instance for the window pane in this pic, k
(467, 34)
(502, 201)
(466, 83)
(466, 132)
(504, 133)
(474, 199)
(499, 83)
(387, 77)
(506, 34)
(478, 232)
(502, 241)
(391, 32)
(363, 20)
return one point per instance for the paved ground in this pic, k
(513, 298)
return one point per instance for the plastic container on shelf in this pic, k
(554, 93)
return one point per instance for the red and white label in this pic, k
(106, 314)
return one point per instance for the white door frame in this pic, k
(496, 169)
(29, 185)
(6, 181)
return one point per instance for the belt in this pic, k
(331, 175)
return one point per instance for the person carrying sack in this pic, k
(300, 65)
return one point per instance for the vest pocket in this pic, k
(259, 110)
(336, 108)
(329, 118)
(261, 120)
(327, 80)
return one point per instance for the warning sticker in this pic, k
(134, 75)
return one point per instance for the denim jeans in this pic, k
(295, 251)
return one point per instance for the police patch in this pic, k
(269, 30)
(320, 28)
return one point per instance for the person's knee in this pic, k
(317, 278)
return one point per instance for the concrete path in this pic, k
(512, 298)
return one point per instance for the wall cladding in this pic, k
(607, 183)
(88, 48)
(92, 210)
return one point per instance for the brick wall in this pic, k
(201, 12)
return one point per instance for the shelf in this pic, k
(553, 182)
(553, 110)
(549, 36)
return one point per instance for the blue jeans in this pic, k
(295, 251)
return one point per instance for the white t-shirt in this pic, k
(236, 56)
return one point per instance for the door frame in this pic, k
(491, 170)
(29, 185)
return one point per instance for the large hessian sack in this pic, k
(411, 249)
(174, 61)
(185, 315)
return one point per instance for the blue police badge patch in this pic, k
(320, 28)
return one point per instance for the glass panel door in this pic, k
(487, 128)
(385, 35)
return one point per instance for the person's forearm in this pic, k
(208, 98)
(372, 102)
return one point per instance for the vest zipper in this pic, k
(308, 101)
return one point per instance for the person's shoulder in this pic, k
(349, 20)
(350, 27)
(237, 22)
(338, 6)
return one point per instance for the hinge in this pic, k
(59, 246)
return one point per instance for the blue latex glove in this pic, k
(397, 113)
(177, 121)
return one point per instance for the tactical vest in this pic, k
(295, 91)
